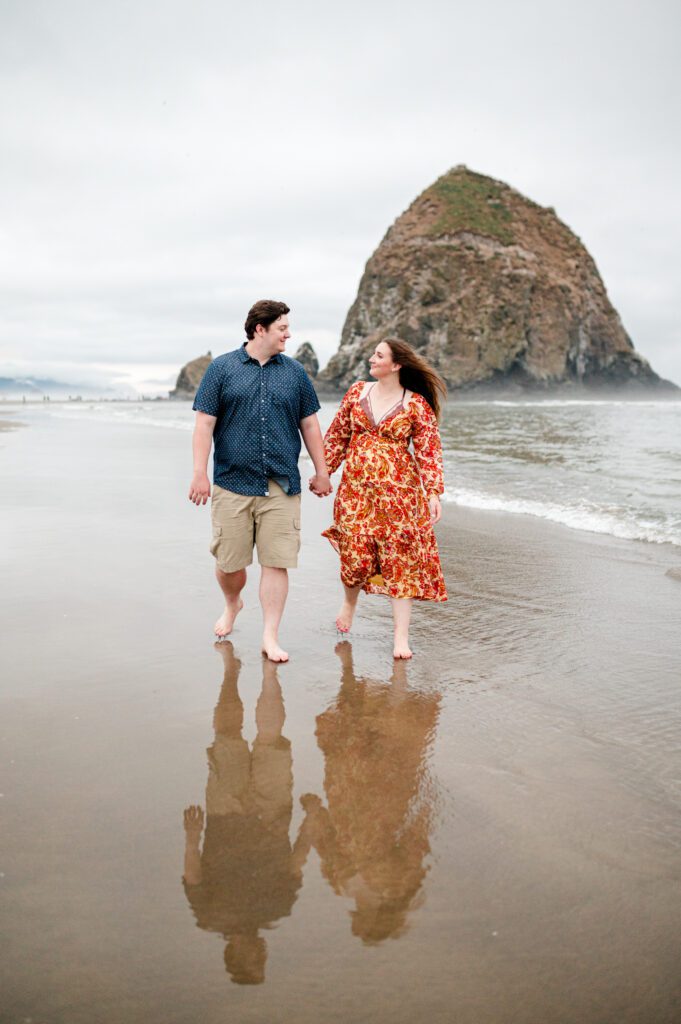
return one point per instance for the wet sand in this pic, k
(488, 834)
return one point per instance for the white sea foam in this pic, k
(602, 466)
(591, 520)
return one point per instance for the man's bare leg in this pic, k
(231, 585)
(348, 608)
(273, 594)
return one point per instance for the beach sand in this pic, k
(490, 833)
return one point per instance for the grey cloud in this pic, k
(163, 167)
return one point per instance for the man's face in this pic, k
(275, 336)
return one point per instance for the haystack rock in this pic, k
(494, 291)
(190, 377)
(307, 356)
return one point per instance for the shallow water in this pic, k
(490, 833)
(610, 467)
(601, 466)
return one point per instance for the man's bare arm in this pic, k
(320, 484)
(199, 490)
(193, 827)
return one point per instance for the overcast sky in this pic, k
(166, 164)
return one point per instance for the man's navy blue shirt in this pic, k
(258, 410)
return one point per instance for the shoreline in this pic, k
(635, 394)
(483, 504)
(517, 780)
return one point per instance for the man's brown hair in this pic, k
(264, 312)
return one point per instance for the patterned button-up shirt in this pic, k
(258, 410)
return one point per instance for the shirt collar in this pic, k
(245, 358)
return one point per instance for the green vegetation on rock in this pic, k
(494, 290)
(471, 202)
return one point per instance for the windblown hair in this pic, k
(418, 375)
(264, 312)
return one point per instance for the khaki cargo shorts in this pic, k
(272, 523)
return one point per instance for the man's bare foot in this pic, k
(273, 652)
(345, 617)
(401, 649)
(223, 626)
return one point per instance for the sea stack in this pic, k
(307, 357)
(190, 377)
(495, 291)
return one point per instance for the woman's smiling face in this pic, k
(381, 363)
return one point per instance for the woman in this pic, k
(388, 500)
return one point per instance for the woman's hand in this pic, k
(435, 509)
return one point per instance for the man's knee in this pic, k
(272, 571)
(238, 576)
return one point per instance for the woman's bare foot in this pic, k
(223, 626)
(272, 650)
(345, 617)
(401, 649)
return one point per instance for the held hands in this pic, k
(199, 489)
(435, 509)
(320, 484)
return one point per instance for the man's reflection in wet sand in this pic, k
(247, 875)
(374, 837)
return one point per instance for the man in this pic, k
(254, 404)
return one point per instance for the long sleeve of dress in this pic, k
(428, 448)
(338, 435)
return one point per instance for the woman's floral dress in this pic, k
(381, 527)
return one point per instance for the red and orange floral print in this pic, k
(381, 527)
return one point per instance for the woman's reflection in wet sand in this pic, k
(247, 875)
(373, 838)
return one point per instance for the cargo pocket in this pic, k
(296, 530)
(215, 542)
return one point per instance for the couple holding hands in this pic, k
(253, 406)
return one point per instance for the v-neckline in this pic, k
(365, 401)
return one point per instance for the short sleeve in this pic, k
(309, 403)
(209, 392)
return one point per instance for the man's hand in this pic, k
(193, 821)
(199, 489)
(320, 484)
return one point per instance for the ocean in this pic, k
(608, 466)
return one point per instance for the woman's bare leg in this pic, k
(348, 609)
(401, 618)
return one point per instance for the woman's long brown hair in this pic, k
(418, 375)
